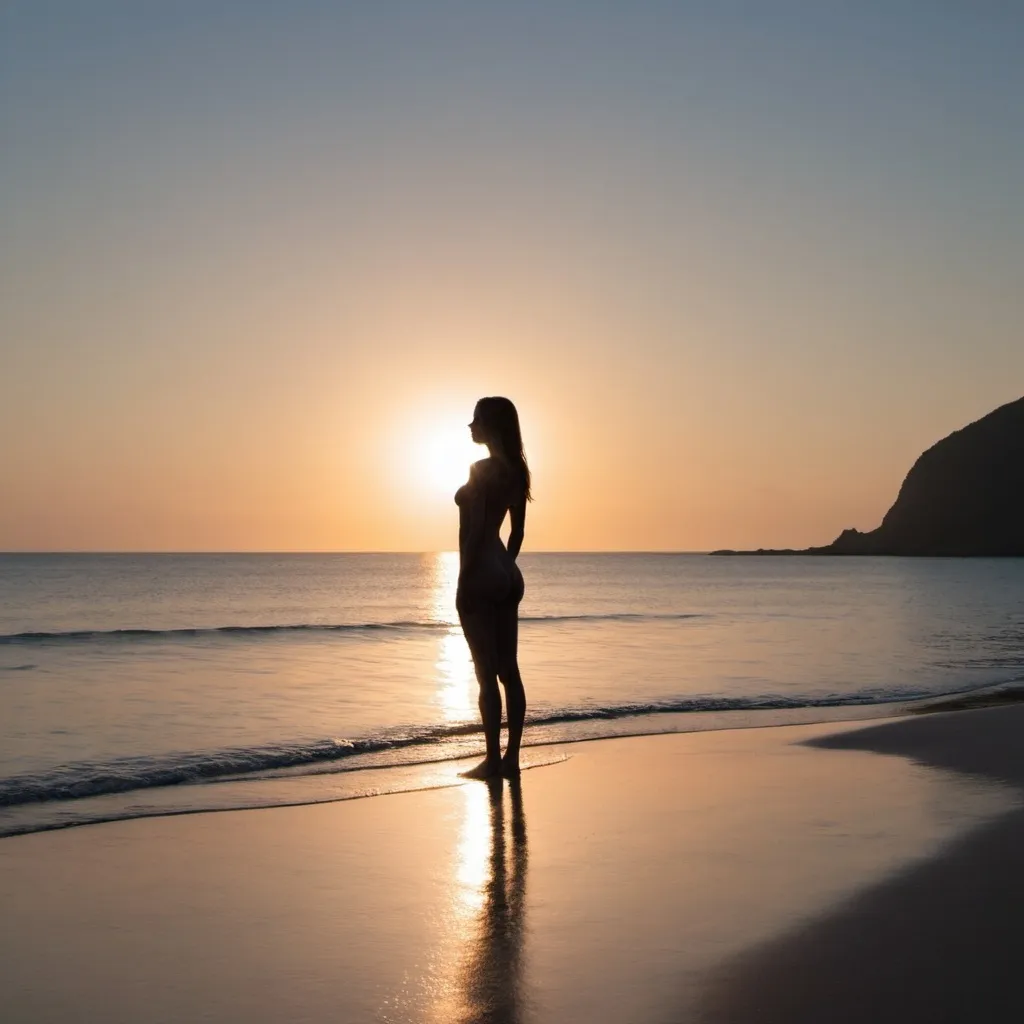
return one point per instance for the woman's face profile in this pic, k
(476, 429)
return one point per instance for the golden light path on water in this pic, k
(456, 693)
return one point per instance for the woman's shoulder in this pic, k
(487, 469)
(494, 472)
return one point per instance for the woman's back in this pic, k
(492, 490)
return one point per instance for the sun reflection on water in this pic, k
(456, 689)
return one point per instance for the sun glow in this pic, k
(444, 458)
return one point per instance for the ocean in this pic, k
(137, 685)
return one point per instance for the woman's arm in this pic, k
(517, 517)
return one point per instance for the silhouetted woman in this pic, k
(490, 583)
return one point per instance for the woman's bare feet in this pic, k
(484, 770)
(510, 769)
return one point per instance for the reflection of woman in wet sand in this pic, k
(492, 973)
(490, 583)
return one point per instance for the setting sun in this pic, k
(445, 457)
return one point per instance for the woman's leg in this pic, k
(508, 672)
(478, 625)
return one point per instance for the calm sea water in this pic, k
(145, 684)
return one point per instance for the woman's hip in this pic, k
(490, 587)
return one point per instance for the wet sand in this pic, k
(789, 873)
(937, 941)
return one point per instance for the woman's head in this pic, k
(496, 424)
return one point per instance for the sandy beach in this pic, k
(804, 873)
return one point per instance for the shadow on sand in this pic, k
(938, 942)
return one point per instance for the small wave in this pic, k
(87, 779)
(82, 780)
(16, 668)
(199, 632)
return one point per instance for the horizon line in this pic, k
(337, 551)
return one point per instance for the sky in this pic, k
(737, 264)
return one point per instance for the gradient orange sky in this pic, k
(736, 265)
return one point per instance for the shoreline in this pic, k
(321, 785)
(637, 880)
(315, 785)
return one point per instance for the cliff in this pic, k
(963, 496)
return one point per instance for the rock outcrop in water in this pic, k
(964, 496)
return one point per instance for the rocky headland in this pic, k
(963, 497)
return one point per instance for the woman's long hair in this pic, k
(502, 422)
